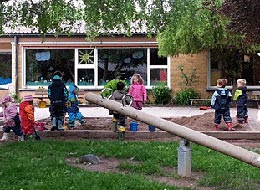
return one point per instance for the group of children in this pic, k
(63, 101)
(221, 99)
(22, 122)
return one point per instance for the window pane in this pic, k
(158, 76)
(6, 68)
(155, 59)
(86, 56)
(85, 77)
(41, 63)
(121, 63)
(221, 68)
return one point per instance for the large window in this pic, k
(158, 68)
(121, 63)
(222, 67)
(6, 68)
(92, 68)
(41, 63)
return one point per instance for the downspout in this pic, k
(16, 63)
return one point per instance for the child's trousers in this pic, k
(75, 116)
(225, 114)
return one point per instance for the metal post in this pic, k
(184, 159)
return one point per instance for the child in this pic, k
(11, 119)
(241, 100)
(137, 91)
(220, 102)
(26, 111)
(73, 107)
(58, 95)
(118, 95)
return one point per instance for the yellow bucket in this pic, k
(42, 104)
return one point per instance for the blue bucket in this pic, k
(151, 128)
(134, 126)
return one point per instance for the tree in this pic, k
(182, 26)
(244, 18)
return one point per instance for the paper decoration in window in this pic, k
(43, 56)
(86, 57)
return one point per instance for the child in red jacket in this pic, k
(26, 111)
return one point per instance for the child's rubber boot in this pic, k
(4, 137)
(121, 130)
(60, 128)
(246, 119)
(53, 128)
(20, 138)
(230, 128)
(216, 127)
(116, 126)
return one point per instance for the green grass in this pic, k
(41, 165)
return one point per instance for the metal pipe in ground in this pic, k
(224, 147)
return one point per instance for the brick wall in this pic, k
(198, 61)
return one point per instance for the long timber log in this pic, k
(224, 147)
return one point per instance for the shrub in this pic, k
(183, 97)
(162, 94)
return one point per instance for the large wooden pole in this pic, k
(224, 147)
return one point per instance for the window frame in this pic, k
(93, 66)
(213, 87)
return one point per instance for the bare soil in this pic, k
(203, 122)
(110, 165)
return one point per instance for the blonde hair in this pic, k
(139, 78)
(222, 82)
(241, 81)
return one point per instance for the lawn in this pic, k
(41, 165)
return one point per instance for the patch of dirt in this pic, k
(203, 122)
(110, 165)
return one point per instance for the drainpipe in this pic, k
(16, 63)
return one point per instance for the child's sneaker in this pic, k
(20, 138)
(82, 122)
(4, 137)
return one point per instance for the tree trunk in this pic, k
(224, 147)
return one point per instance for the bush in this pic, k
(183, 97)
(162, 94)
(112, 85)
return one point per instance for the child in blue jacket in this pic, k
(73, 107)
(220, 102)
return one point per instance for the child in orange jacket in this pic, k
(26, 111)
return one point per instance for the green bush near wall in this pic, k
(162, 94)
(183, 96)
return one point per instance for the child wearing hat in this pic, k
(58, 95)
(11, 119)
(26, 111)
(73, 107)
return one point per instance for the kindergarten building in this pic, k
(27, 62)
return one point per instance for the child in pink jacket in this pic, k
(11, 119)
(137, 91)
